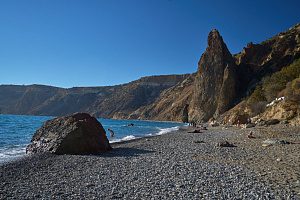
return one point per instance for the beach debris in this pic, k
(78, 134)
(224, 144)
(266, 145)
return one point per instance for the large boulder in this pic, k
(78, 134)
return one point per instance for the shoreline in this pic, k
(171, 165)
(16, 151)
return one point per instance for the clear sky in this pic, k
(71, 43)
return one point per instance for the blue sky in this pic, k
(75, 43)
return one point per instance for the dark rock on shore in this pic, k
(224, 144)
(78, 134)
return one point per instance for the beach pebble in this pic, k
(171, 166)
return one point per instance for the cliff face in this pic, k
(215, 82)
(260, 60)
(169, 105)
(222, 79)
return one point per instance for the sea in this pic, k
(16, 132)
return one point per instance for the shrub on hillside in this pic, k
(257, 101)
(292, 94)
(257, 96)
(258, 108)
(272, 85)
(293, 89)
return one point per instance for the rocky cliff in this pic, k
(260, 60)
(169, 105)
(215, 81)
(224, 80)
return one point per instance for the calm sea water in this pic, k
(16, 132)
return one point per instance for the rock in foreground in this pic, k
(79, 134)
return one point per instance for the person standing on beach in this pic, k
(111, 132)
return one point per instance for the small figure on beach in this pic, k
(111, 132)
(250, 135)
(249, 121)
(239, 124)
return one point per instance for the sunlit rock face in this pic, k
(215, 80)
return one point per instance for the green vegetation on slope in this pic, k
(276, 83)
(285, 82)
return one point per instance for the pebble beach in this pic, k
(177, 165)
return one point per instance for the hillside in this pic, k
(224, 80)
(224, 87)
(169, 105)
(101, 102)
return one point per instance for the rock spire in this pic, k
(215, 80)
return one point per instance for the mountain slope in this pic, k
(209, 94)
(102, 102)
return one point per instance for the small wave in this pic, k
(164, 131)
(128, 137)
(8, 154)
